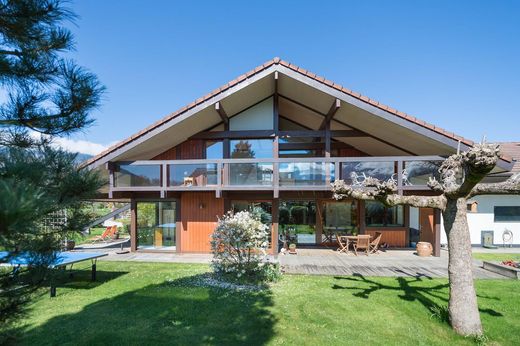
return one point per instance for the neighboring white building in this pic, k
(496, 213)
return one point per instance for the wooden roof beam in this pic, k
(220, 110)
(330, 114)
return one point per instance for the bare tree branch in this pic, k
(477, 163)
(509, 187)
(384, 192)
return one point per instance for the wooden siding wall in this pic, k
(351, 152)
(197, 224)
(188, 150)
(395, 237)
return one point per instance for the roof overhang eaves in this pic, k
(175, 118)
(306, 77)
(384, 112)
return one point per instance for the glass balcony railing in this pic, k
(251, 174)
(137, 175)
(304, 173)
(292, 172)
(355, 172)
(419, 172)
(203, 174)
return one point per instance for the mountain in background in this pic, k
(82, 157)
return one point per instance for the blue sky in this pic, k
(452, 63)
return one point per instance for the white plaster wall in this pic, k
(258, 117)
(483, 219)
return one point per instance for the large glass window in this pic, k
(214, 150)
(156, 225)
(300, 153)
(377, 215)
(251, 148)
(340, 217)
(262, 209)
(507, 214)
(297, 220)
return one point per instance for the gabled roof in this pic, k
(275, 65)
(512, 149)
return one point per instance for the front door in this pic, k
(427, 225)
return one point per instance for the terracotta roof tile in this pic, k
(295, 68)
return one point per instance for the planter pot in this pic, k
(424, 249)
(292, 250)
(70, 244)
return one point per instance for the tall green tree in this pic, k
(42, 95)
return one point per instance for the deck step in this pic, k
(501, 269)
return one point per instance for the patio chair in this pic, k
(106, 235)
(374, 245)
(342, 244)
(362, 243)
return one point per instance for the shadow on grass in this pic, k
(409, 289)
(176, 312)
(81, 279)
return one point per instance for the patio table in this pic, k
(350, 239)
(329, 233)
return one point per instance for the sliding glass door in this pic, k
(156, 225)
(339, 218)
(297, 221)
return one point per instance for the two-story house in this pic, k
(272, 140)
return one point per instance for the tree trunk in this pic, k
(463, 307)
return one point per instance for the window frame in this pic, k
(385, 218)
(517, 220)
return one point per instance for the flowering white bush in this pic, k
(239, 245)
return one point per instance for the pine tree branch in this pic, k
(11, 52)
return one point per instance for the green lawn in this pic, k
(499, 257)
(148, 303)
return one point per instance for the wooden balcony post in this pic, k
(133, 225)
(274, 233)
(164, 180)
(276, 179)
(276, 140)
(111, 180)
(219, 180)
(400, 177)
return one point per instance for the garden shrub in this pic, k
(299, 214)
(283, 216)
(239, 246)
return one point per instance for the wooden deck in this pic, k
(392, 263)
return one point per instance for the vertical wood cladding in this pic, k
(199, 211)
(188, 150)
(351, 152)
(393, 237)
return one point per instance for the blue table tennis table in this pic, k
(62, 260)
